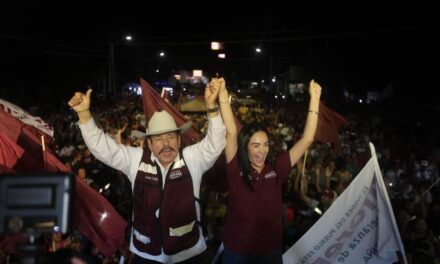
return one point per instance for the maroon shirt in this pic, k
(254, 218)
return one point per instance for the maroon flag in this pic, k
(24, 136)
(97, 220)
(10, 152)
(26, 118)
(153, 102)
(10, 126)
(329, 124)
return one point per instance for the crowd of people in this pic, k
(109, 146)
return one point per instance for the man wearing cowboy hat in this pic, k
(165, 179)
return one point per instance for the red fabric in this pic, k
(153, 102)
(28, 138)
(34, 160)
(6, 170)
(9, 125)
(10, 152)
(329, 123)
(96, 218)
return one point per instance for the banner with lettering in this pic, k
(358, 228)
(25, 117)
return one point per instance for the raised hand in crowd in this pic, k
(80, 103)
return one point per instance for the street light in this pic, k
(111, 63)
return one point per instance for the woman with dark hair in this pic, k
(244, 138)
(253, 228)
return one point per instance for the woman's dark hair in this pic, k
(243, 140)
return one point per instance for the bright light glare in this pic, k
(197, 73)
(215, 45)
(103, 217)
(318, 211)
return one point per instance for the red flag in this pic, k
(25, 117)
(329, 124)
(153, 102)
(10, 152)
(33, 160)
(97, 220)
(26, 137)
(9, 125)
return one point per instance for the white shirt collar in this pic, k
(155, 159)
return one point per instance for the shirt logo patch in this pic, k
(175, 174)
(151, 178)
(269, 175)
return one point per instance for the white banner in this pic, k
(359, 227)
(25, 117)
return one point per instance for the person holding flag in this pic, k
(253, 228)
(165, 179)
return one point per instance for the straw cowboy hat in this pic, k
(162, 122)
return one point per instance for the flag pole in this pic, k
(427, 190)
(303, 169)
(44, 152)
(304, 163)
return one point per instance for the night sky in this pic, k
(49, 51)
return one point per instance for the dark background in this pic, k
(49, 50)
